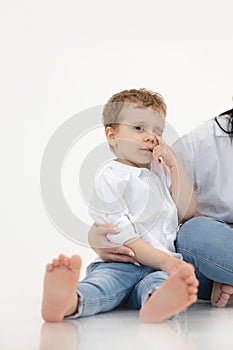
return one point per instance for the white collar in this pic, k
(131, 169)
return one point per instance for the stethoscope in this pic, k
(230, 113)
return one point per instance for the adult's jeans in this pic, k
(207, 243)
(109, 285)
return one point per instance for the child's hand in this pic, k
(171, 264)
(165, 152)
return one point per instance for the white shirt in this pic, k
(138, 202)
(207, 154)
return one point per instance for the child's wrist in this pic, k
(166, 264)
(176, 163)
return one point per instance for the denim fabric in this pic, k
(207, 243)
(109, 285)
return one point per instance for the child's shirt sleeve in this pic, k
(109, 206)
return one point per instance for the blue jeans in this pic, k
(109, 285)
(207, 243)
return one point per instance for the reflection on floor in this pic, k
(199, 327)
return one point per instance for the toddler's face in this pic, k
(136, 135)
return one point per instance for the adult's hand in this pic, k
(108, 251)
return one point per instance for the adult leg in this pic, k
(207, 243)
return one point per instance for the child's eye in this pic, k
(139, 128)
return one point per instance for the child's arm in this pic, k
(147, 255)
(182, 190)
(108, 205)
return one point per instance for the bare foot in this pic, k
(60, 282)
(221, 294)
(177, 293)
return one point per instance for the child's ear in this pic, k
(111, 136)
(110, 133)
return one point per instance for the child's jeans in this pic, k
(109, 285)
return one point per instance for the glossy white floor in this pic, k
(200, 327)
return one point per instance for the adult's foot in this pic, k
(176, 294)
(60, 282)
(220, 294)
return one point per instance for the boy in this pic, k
(132, 192)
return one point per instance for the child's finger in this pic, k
(158, 151)
(157, 157)
(160, 140)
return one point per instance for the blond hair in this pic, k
(143, 97)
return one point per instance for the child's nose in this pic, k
(150, 138)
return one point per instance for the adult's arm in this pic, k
(108, 251)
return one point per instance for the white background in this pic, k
(61, 57)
